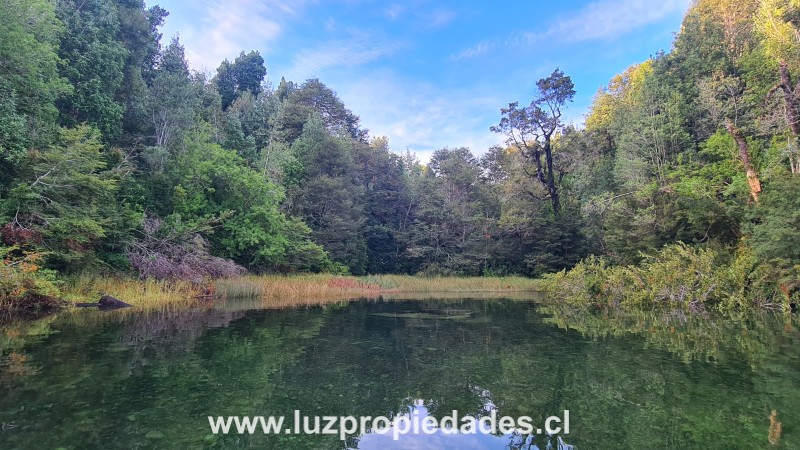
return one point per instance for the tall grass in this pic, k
(146, 294)
(417, 284)
(285, 290)
(278, 289)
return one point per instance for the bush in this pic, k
(167, 253)
(23, 283)
(677, 276)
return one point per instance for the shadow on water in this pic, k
(630, 381)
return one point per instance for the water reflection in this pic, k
(658, 380)
(460, 432)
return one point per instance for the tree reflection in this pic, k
(635, 380)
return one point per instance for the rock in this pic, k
(154, 435)
(106, 303)
(86, 305)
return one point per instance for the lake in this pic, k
(659, 380)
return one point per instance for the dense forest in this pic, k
(116, 158)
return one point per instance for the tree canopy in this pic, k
(111, 148)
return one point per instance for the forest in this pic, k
(682, 187)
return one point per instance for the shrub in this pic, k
(678, 275)
(166, 253)
(23, 283)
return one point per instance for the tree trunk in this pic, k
(792, 116)
(744, 155)
(551, 182)
(792, 107)
(537, 157)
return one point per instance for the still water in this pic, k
(127, 380)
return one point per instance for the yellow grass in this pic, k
(147, 294)
(296, 287)
(416, 284)
(280, 291)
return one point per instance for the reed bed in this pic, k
(144, 294)
(417, 284)
(283, 291)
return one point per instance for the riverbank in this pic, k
(283, 290)
(678, 276)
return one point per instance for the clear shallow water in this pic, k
(648, 381)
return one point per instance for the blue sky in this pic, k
(430, 74)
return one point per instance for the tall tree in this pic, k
(171, 98)
(139, 33)
(249, 71)
(532, 128)
(382, 177)
(29, 79)
(94, 62)
(314, 97)
(325, 192)
(454, 218)
(245, 74)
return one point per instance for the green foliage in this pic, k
(677, 276)
(678, 177)
(291, 182)
(298, 103)
(245, 74)
(455, 217)
(328, 196)
(29, 80)
(13, 134)
(93, 60)
(66, 195)
(208, 181)
(139, 34)
(23, 282)
(776, 235)
(387, 198)
(171, 99)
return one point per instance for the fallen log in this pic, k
(106, 303)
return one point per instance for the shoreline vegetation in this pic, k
(678, 276)
(286, 290)
(680, 190)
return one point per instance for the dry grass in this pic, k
(296, 288)
(415, 284)
(302, 290)
(279, 291)
(145, 294)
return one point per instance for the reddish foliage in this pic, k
(76, 246)
(13, 234)
(164, 255)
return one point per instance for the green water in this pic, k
(89, 380)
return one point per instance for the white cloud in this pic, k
(220, 29)
(600, 20)
(473, 52)
(393, 12)
(421, 117)
(424, 18)
(330, 24)
(359, 49)
(438, 18)
(607, 19)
